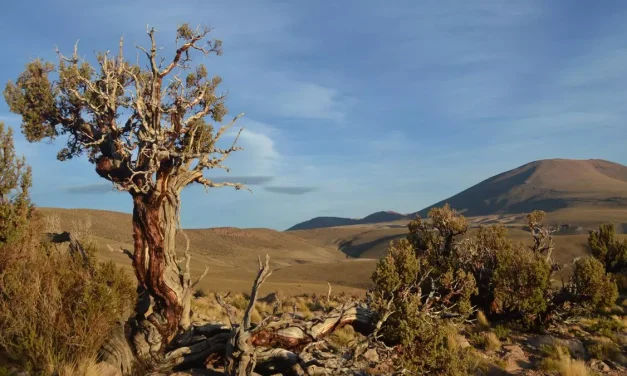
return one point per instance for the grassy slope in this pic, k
(231, 254)
(304, 261)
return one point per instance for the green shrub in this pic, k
(15, 182)
(55, 310)
(604, 350)
(608, 328)
(419, 276)
(521, 283)
(609, 250)
(502, 332)
(438, 352)
(591, 285)
(54, 307)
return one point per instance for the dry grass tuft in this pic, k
(81, 367)
(342, 338)
(559, 362)
(482, 321)
(492, 341)
(604, 349)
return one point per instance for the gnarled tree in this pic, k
(148, 131)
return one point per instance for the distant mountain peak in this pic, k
(322, 222)
(546, 184)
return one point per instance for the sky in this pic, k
(354, 106)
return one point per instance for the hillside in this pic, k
(230, 253)
(548, 185)
(323, 222)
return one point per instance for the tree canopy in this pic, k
(136, 124)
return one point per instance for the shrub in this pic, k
(609, 250)
(521, 283)
(478, 254)
(437, 351)
(15, 182)
(591, 285)
(502, 332)
(55, 310)
(608, 328)
(604, 350)
(420, 276)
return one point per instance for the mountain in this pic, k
(548, 185)
(323, 222)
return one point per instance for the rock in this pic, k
(371, 355)
(515, 358)
(575, 346)
(599, 365)
(272, 297)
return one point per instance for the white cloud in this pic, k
(259, 156)
(280, 96)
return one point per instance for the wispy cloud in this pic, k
(295, 191)
(247, 180)
(90, 189)
(298, 99)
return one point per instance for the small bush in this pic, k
(437, 351)
(502, 332)
(609, 250)
(604, 350)
(608, 328)
(54, 309)
(591, 285)
(521, 284)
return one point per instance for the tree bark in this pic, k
(155, 222)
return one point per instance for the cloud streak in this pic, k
(294, 191)
(90, 189)
(247, 180)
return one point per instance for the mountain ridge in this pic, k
(547, 184)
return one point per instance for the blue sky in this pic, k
(356, 106)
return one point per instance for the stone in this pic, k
(599, 365)
(515, 358)
(575, 346)
(371, 355)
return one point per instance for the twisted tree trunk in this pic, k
(156, 265)
(154, 233)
